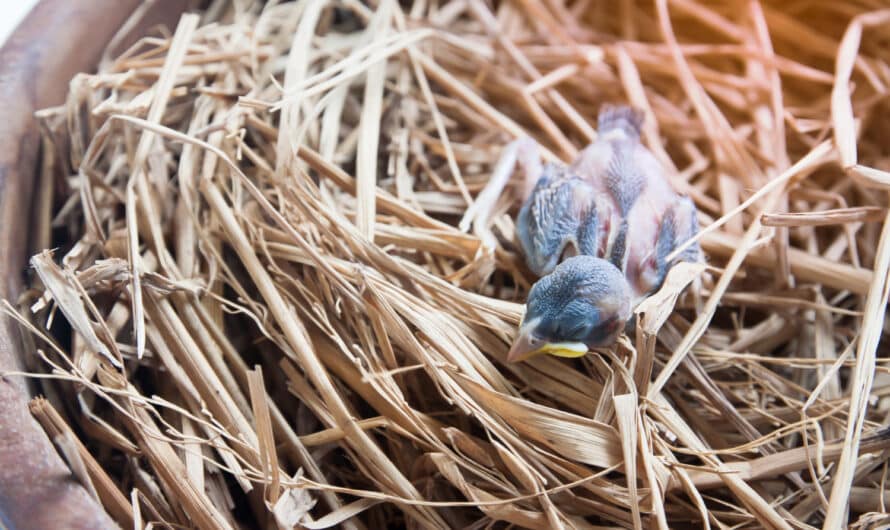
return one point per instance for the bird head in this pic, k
(585, 302)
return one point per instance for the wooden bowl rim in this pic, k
(58, 39)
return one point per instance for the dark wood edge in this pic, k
(57, 40)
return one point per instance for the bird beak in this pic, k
(524, 347)
(527, 346)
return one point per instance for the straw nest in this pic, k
(276, 319)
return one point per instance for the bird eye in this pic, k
(578, 331)
(605, 331)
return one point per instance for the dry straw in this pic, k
(275, 318)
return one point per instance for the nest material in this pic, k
(276, 317)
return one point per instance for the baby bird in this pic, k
(585, 302)
(598, 232)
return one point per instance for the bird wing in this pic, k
(548, 223)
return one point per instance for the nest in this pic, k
(270, 314)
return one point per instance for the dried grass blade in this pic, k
(68, 299)
(568, 435)
(862, 214)
(369, 127)
(341, 515)
(862, 380)
(178, 48)
(265, 436)
(294, 74)
(626, 410)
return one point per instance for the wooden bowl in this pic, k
(57, 40)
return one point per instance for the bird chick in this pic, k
(598, 232)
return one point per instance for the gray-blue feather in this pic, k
(618, 255)
(623, 177)
(621, 118)
(588, 231)
(687, 231)
(548, 222)
(664, 244)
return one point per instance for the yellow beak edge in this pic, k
(523, 349)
